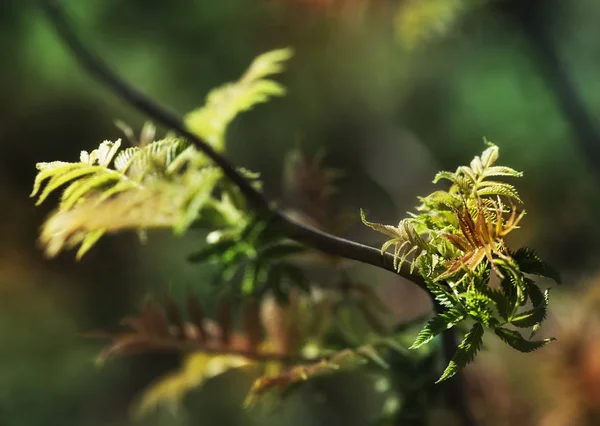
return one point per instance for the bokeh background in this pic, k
(391, 97)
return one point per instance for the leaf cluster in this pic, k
(212, 347)
(456, 241)
(168, 183)
(164, 183)
(250, 251)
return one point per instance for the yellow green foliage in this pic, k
(455, 242)
(277, 345)
(462, 226)
(419, 20)
(164, 183)
(159, 185)
(198, 367)
(226, 102)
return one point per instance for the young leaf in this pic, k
(226, 102)
(536, 295)
(405, 239)
(510, 296)
(514, 339)
(503, 304)
(197, 369)
(479, 305)
(498, 188)
(465, 353)
(444, 297)
(533, 316)
(210, 251)
(436, 325)
(530, 263)
(145, 188)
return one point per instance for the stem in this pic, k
(312, 237)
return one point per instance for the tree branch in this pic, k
(312, 237)
(299, 232)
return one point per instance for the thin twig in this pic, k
(297, 231)
(302, 233)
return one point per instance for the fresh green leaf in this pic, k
(536, 295)
(510, 292)
(210, 251)
(465, 353)
(281, 250)
(226, 102)
(533, 316)
(437, 324)
(516, 340)
(443, 296)
(531, 263)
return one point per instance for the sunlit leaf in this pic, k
(516, 340)
(438, 324)
(226, 102)
(533, 316)
(465, 353)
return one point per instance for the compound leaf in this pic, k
(436, 325)
(465, 353)
(530, 263)
(516, 340)
(533, 316)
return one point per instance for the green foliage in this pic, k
(456, 241)
(226, 102)
(169, 183)
(514, 339)
(441, 294)
(465, 353)
(530, 263)
(533, 316)
(164, 183)
(437, 324)
(246, 248)
(471, 180)
(158, 185)
(405, 239)
(416, 21)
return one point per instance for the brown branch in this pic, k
(310, 236)
(302, 233)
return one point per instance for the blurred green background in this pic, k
(524, 74)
